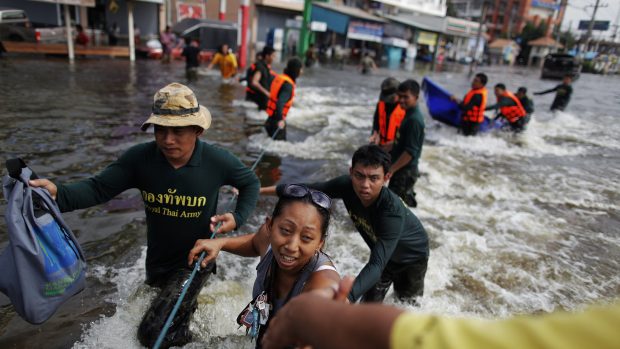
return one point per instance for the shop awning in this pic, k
(431, 24)
(352, 22)
(461, 27)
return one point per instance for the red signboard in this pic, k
(190, 11)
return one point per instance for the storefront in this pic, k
(355, 31)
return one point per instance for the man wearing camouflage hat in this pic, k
(388, 115)
(179, 177)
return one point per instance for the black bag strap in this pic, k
(14, 166)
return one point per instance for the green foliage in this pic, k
(568, 40)
(530, 32)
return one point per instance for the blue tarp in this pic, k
(445, 110)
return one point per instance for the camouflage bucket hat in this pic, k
(389, 87)
(176, 106)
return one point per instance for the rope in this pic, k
(177, 305)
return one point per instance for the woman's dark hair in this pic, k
(287, 200)
(372, 155)
(221, 49)
(293, 68)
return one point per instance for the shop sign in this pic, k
(365, 31)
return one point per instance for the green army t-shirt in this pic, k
(178, 202)
(390, 229)
(410, 137)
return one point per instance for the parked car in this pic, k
(557, 65)
(15, 25)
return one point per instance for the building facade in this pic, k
(506, 18)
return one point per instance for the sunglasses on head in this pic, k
(299, 191)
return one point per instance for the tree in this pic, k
(530, 32)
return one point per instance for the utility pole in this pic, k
(616, 25)
(591, 24)
(480, 25)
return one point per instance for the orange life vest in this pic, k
(476, 113)
(514, 112)
(276, 85)
(388, 132)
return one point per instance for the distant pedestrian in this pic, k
(191, 52)
(226, 61)
(81, 38)
(168, 42)
(367, 64)
(310, 56)
(113, 34)
(563, 93)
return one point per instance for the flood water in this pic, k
(518, 224)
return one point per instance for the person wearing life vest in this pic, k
(388, 115)
(259, 79)
(509, 107)
(472, 106)
(281, 98)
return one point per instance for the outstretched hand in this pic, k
(227, 221)
(212, 248)
(45, 184)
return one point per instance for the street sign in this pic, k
(598, 25)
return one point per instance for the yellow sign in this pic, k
(426, 38)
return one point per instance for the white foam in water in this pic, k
(132, 301)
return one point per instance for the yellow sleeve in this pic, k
(233, 60)
(597, 327)
(217, 58)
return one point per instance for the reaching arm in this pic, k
(387, 230)
(240, 177)
(268, 190)
(546, 91)
(113, 180)
(216, 59)
(249, 245)
(309, 319)
(503, 102)
(256, 83)
(402, 161)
